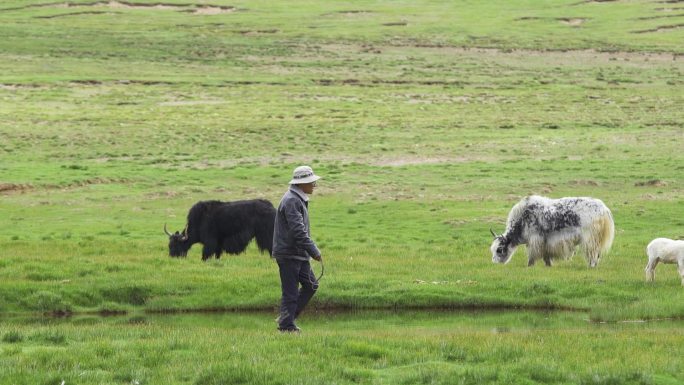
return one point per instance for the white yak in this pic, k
(553, 228)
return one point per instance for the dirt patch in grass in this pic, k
(573, 22)
(669, 9)
(189, 8)
(396, 24)
(493, 220)
(12, 188)
(458, 99)
(13, 87)
(180, 103)
(8, 188)
(163, 194)
(370, 160)
(86, 182)
(584, 182)
(211, 10)
(417, 160)
(92, 82)
(353, 12)
(329, 98)
(127, 5)
(373, 82)
(399, 162)
(651, 183)
(594, 1)
(258, 32)
(551, 57)
(661, 28)
(76, 14)
(660, 17)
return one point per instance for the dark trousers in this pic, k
(294, 273)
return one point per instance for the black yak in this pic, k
(225, 226)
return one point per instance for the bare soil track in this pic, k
(197, 9)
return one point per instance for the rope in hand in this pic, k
(322, 271)
(319, 277)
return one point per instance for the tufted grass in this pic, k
(345, 348)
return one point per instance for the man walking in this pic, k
(293, 248)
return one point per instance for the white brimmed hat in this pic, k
(303, 174)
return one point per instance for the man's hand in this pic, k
(319, 258)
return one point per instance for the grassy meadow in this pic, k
(428, 121)
(419, 347)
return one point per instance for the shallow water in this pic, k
(360, 320)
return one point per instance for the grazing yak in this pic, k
(225, 226)
(666, 251)
(553, 228)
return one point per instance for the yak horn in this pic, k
(185, 233)
(493, 233)
(166, 231)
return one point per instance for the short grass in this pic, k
(427, 120)
(376, 347)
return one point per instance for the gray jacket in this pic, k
(291, 234)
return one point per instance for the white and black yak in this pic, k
(225, 226)
(664, 250)
(553, 228)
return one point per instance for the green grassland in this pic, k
(380, 348)
(427, 120)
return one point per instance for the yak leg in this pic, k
(535, 250)
(237, 243)
(680, 265)
(592, 249)
(209, 249)
(650, 269)
(546, 252)
(593, 257)
(593, 254)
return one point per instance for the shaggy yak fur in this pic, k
(553, 228)
(225, 226)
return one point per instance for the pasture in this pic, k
(427, 120)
